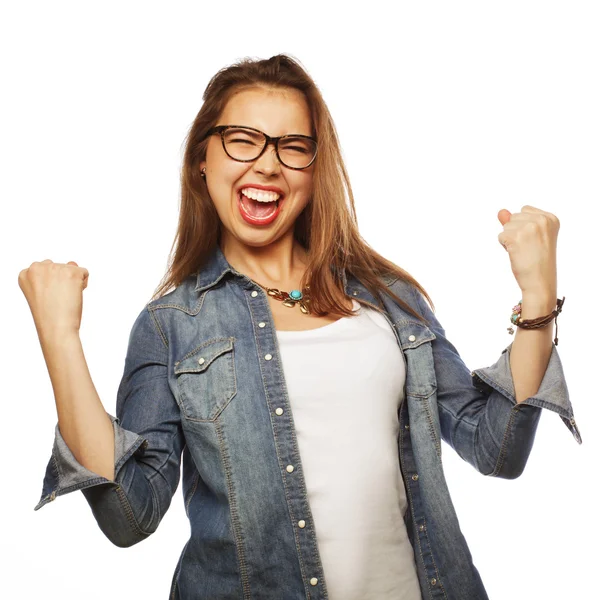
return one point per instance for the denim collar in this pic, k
(216, 267)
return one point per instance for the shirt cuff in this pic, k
(552, 393)
(64, 474)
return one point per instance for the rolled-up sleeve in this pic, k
(148, 445)
(479, 415)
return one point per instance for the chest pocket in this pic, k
(422, 401)
(206, 380)
(421, 380)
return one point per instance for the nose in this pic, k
(268, 163)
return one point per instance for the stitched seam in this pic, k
(233, 511)
(228, 398)
(174, 586)
(163, 337)
(438, 448)
(503, 447)
(315, 551)
(403, 321)
(416, 294)
(540, 403)
(80, 485)
(233, 378)
(129, 512)
(180, 307)
(412, 510)
(212, 284)
(273, 428)
(425, 399)
(208, 343)
(434, 565)
(57, 470)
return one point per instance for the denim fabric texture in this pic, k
(203, 393)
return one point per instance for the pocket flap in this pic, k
(203, 356)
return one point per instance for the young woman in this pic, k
(299, 377)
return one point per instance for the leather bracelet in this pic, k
(536, 323)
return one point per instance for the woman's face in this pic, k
(277, 111)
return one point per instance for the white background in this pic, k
(447, 113)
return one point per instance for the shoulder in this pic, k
(183, 297)
(411, 297)
(401, 287)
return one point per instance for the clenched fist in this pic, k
(54, 292)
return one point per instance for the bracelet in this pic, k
(516, 319)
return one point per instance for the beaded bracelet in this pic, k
(536, 323)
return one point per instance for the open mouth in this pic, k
(259, 207)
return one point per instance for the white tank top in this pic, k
(345, 382)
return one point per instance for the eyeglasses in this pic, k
(246, 144)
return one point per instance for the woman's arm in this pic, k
(531, 349)
(83, 423)
(479, 414)
(147, 448)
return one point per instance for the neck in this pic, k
(280, 264)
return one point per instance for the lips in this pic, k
(259, 187)
(255, 219)
(255, 203)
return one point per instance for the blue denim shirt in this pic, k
(203, 387)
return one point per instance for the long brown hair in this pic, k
(327, 228)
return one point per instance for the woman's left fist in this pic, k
(530, 238)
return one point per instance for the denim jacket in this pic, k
(203, 382)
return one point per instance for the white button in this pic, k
(262, 324)
(279, 411)
(411, 338)
(289, 468)
(433, 581)
(201, 361)
(314, 581)
(355, 293)
(421, 527)
(415, 477)
(254, 294)
(268, 357)
(301, 524)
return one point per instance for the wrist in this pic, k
(534, 305)
(56, 338)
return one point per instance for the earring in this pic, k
(203, 172)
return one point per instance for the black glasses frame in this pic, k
(220, 129)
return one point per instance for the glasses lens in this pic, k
(243, 144)
(297, 152)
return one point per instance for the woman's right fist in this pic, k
(54, 292)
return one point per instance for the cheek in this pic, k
(222, 170)
(304, 186)
(224, 177)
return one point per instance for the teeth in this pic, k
(260, 195)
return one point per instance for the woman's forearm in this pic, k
(532, 348)
(82, 420)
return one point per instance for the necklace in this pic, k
(301, 298)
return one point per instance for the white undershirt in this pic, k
(346, 381)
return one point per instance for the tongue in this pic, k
(258, 209)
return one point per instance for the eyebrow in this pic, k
(261, 131)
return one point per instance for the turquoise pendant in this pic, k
(296, 295)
